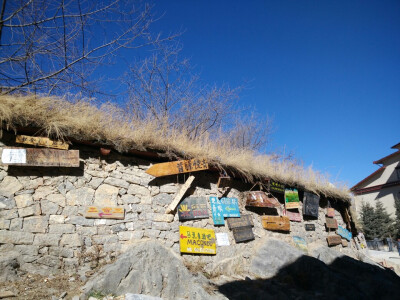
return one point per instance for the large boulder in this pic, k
(149, 268)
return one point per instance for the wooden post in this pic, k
(179, 195)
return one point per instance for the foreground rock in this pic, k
(9, 266)
(151, 269)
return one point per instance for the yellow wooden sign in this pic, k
(197, 240)
(95, 212)
(41, 141)
(177, 167)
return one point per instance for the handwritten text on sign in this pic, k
(177, 167)
(193, 208)
(224, 208)
(197, 240)
(94, 212)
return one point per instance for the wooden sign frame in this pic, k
(177, 167)
(331, 223)
(243, 221)
(192, 208)
(309, 227)
(108, 212)
(243, 234)
(333, 240)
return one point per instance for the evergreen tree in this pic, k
(397, 206)
(367, 220)
(384, 224)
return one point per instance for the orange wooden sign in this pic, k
(177, 167)
(41, 141)
(95, 212)
(279, 223)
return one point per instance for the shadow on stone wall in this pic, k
(309, 278)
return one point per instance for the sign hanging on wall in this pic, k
(331, 223)
(310, 227)
(343, 232)
(293, 216)
(334, 240)
(242, 234)
(276, 187)
(41, 141)
(95, 212)
(278, 223)
(177, 167)
(39, 157)
(193, 208)
(330, 212)
(300, 242)
(243, 221)
(310, 204)
(261, 199)
(197, 240)
(292, 198)
(222, 239)
(224, 207)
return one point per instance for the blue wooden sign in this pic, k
(224, 208)
(343, 232)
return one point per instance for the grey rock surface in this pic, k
(8, 266)
(149, 268)
(130, 296)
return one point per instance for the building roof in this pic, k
(397, 146)
(380, 161)
(368, 177)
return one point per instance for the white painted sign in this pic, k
(222, 239)
(13, 156)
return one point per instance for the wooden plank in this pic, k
(177, 167)
(310, 227)
(276, 187)
(243, 221)
(293, 216)
(291, 198)
(310, 204)
(193, 208)
(224, 181)
(39, 157)
(331, 223)
(333, 240)
(179, 195)
(197, 240)
(41, 141)
(278, 223)
(242, 234)
(95, 212)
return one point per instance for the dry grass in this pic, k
(110, 125)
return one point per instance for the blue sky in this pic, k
(327, 72)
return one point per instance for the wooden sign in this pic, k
(179, 195)
(224, 208)
(331, 223)
(38, 157)
(343, 232)
(278, 223)
(197, 240)
(293, 216)
(242, 234)
(262, 199)
(243, 221)
(95, 212)
(177, 167)
(222, 239)
(309, 227)
(276, 187)
(333, 240)
(330, 212)
(292, 198)
(345, 243)
(310, 204)
(300, 243)
(41, 141)
(193, 208)
(223, 181)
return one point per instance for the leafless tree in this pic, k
(51, 46)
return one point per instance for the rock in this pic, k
(163, 218)
(7, 203)
(149, 268)
(106, 195)
(27, 249)
(48, 239)
(5, 224)
(323, 253)
(140, 191)
(79, 220)
(163, 199)
(57, 198)
(82, 196)
(130, 199)
(130, 296)
(27, 211)
(104, 239)
(72, 240)
(42, 192)
(35, 224)
(15, 237)
(7, 294)
(23, 200)
(271, 255)
(48, 207)
(50, 261)
(9, 266)
(9, 186)
(95, 182)
(117, 182)
(61, 228)
(8, 214)
(56, 219)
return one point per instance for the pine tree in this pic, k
(368, 221)
(382, 221)
(397, 206)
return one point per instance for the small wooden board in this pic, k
(179, 195)
(331, 223)
(293, 216)
(279, 223)
(242, 234)
(243, 221)
(39, 157)
(197, 240)
(177, 167)
(276, 187)
(41, 141)
(95, 212)
(309, 227)
(330, 212)
(223, 182)
(193, 208)
(333, 240)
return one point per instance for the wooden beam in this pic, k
(179, 195)
(39, 157)
(177, 167)
(41, 141)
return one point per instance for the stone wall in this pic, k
(41, 213)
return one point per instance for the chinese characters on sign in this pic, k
(276, 187)
(222, 239)
(292, 198)
(13, 156)
(224, 207)
(193, 208)
(94, 212)
(343, 232)
(197, 240)
(177, 167)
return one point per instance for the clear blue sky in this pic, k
(328, 72)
